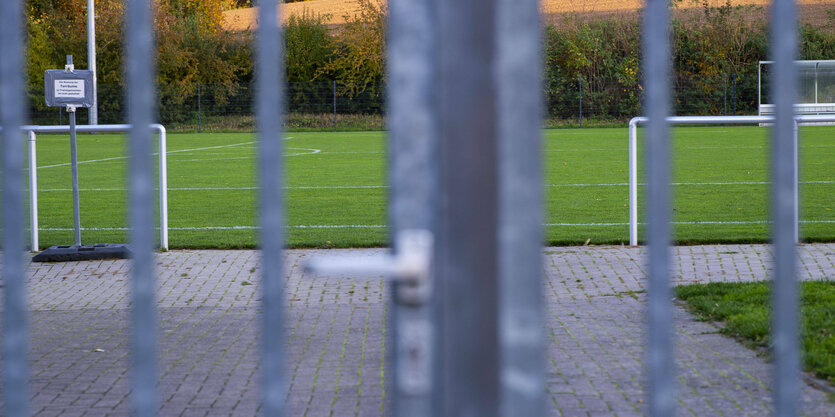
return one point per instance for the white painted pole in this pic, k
(33, 192)
(796, 183)
(760, 88)
(163, 187)
(91, 60)
(633, 182)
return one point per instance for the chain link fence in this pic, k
(332, 105)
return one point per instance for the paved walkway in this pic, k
(208, 349)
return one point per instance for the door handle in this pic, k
(410, 267)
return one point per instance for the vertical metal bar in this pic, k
(93, 118)
(163, 187)
(140, 88)
(795, 183)
(759, 88)
(816, 82)
(656, 45)
(199, 110)
(413, 172)
(269, 82)
(521, 320)
(15, 320)
(633, 183)
(580, 87)
(76, 209)
(784, 290)
(33, 192)
(334, 105)
(467, 264)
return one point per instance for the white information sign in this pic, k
(69, 89)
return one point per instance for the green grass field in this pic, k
(336, 187)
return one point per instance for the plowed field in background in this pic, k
(811, 11)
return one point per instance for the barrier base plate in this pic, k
(67, 253)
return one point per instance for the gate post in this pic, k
(659, 355)
(413, 175)
(521, 324)
(269, 84)
(784, 289)
(467, 264)
(12, 114)
(141, 98)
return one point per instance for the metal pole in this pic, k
(656, 45)
(816, 82)
(15, 320)
(163, 187)
(796, 183)
(413, 172)
(522, 336)
(580, 84)
(199, 121)
(76, 209)
(334, 105)
(467, 264)
(784, 290)
(759, 88)
(140, 87)
(633, 182)
(33, 192)
(269, 82)
(93, 114)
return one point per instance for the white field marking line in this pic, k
(311, 226)
(243, 144)
(380, 226)
(623, 184)
(706, 222)
(350, 152)
(209, 159)
(337, 187)
(679, 149)
(311, 151)
(231, 158)
(155, 153)
(360, 187)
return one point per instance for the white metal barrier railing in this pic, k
(32, 130)
(701, 120)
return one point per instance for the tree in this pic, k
(358, 53)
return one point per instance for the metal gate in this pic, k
(464, 118)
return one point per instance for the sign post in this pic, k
(71, 88)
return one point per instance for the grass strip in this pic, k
(745, 311)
